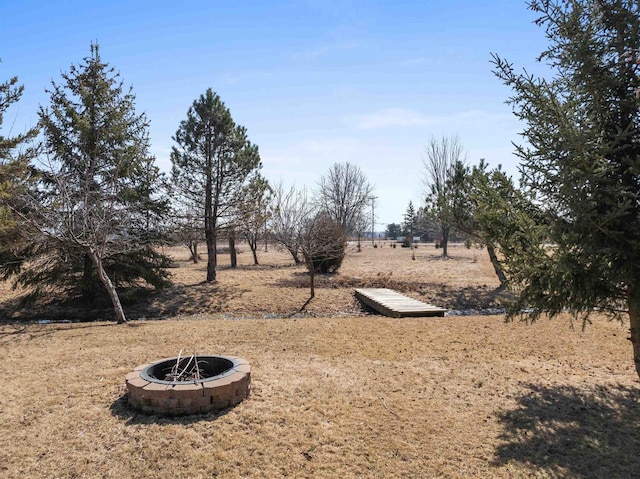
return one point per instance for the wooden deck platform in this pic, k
(396, 305)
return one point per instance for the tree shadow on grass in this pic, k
(574, 432)
(188, 299)
(150, 304)
(17, 332)
(257, 267)
(57, 307)
(451, 297)
(466, 297)
(121, 409)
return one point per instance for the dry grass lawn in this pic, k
(278, 288)
(337, 393)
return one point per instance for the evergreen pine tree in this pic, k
(409, 223)
(212, 163)
(95, 217)
(16, 174)
(582, 162)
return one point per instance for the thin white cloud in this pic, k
(403, 117)
(311, 53)
(238, 77)
(410, 62)
(295, 158)
(390, 117)
(318, 51)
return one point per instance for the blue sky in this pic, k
(314, 82)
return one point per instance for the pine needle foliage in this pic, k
(16, 152)
(94, 218)
(581, 161)
(213, 161)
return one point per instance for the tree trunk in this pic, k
(212, 258)
(253, 244)
(193, 247)
(210, 215)
(294, 255)
(312, 283)
(232, 251)
(108, 285)
(312, 277)
(445, 242)
(497, 266)
(634, 322)
(87, 285)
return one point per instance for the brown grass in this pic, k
(278, 288)
(336, 396)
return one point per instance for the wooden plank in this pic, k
(396, 305)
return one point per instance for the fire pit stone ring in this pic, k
(226, 382)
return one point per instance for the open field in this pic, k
(278, 288)
(335, 395)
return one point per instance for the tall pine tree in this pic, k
(16, 174)
(213, 161)
(95, 216)
(582, 161)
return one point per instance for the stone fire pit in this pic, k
(223, 381)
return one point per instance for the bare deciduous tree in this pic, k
(253, 213)
(344, 194)
(441, 158)
(323, 246)
(362, 222)
(304, 230)
(186, 226)
(289, 212)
